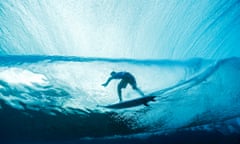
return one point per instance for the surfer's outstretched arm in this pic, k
(107, 82)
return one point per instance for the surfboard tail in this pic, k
(153, 98)
(146, 104)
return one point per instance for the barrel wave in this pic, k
(58, 97)
(55, 55)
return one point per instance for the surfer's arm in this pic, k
(107, 82)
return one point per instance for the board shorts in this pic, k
(128, 79)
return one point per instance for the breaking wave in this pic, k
(51, 97)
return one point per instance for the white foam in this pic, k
(22, 76)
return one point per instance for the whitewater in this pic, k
(55, 55)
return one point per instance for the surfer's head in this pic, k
(113, 73)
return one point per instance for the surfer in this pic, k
(126, 78)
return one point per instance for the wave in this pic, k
(46, 94)
(137, 30)
(54, 97)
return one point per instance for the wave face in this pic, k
(121, 29)
(44, 97)
(55, 54)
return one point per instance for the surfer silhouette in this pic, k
(126, 78)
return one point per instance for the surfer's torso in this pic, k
(123, 75)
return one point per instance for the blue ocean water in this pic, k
(54, 56)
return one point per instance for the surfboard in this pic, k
(132, 103)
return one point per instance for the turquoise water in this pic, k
(121, 29)
(54, 56)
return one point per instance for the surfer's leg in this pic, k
(121, 85)
(133, 83)
(139, 91)
(119, 92)
(134, 86)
